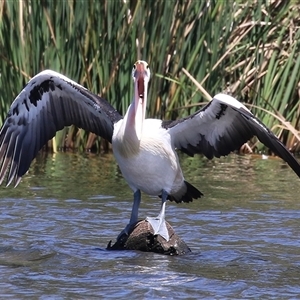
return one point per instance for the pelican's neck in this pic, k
(134, 120)
(126, 141)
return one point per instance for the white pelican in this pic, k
(145, 149)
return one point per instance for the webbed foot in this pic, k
(125, 231)
(159, 226)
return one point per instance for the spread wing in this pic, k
(222, 126)
(48, 102)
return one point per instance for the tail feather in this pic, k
(190, 194)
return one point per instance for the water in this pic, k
(244, 234)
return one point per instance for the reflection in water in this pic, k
(244, 233)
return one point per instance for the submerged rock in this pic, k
(142, 238)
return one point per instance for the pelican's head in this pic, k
(141, 77)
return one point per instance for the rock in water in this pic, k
(142, 238)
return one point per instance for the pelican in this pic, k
(145, 149)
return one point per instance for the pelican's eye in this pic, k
(133, 71)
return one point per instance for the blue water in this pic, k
(244, 234)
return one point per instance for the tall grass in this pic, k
(250, 50)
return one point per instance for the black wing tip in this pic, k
(191, 193)
(281, 151)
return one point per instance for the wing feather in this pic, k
(49, 102)
(221, 127)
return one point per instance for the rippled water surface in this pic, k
(244, 234)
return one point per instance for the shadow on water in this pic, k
(244, 233)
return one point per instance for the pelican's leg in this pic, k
(159, 224)
(134, 213)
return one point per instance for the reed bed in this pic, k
(250, 50)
